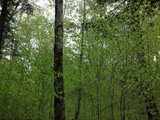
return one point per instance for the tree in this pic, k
(135, 21)
(59, 105)
(110, 65)
(79, 100)
(3, 18)
(9, 13)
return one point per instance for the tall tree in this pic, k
(3, 18)
(59, 105)
(10, 10)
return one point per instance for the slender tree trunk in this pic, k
(123, 99)
(3, 17)
(123, 86)
(98, 88)
(77, 113)
(122, 103)
(111, 92)
(42, 102)
(98, 100)
(59, 104)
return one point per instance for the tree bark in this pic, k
(59, 104)
(3, 18)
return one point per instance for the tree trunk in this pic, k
(77, 113)
(3, 17)
(111, 92)
(123, 104)
(123, 98)
(59, 104)
(98, 100)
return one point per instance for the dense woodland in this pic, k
(85, 60)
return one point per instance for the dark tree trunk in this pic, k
(3, 18)
(59, 105)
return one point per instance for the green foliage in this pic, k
(27, 80)
(118, 74)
